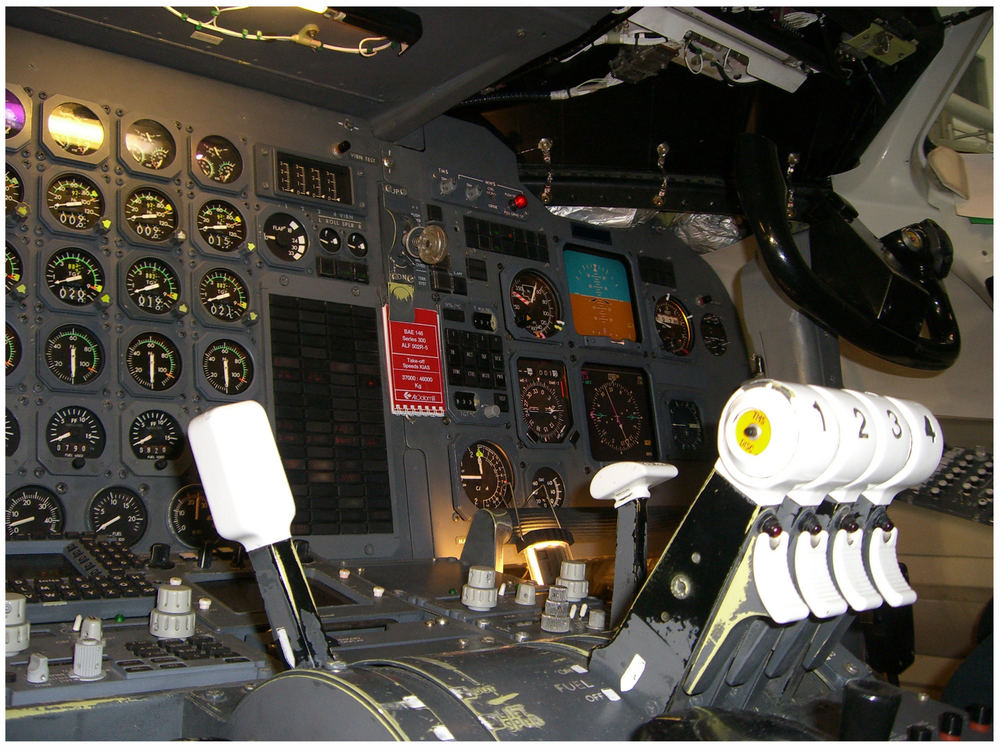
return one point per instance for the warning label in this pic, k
(416, 381)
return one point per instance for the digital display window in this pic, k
(313, 179)
(600, 294)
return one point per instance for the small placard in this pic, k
(413, 350)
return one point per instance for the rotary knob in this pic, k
(480, 594)
(18, 627)
(429, 243)
(173, 616)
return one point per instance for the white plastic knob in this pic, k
(480, 594)
(573, 575)
(38, 669)
(88, 653)
(884, 568)
(625, 481)
(525, 593)
(16, 608)
(91, 628)
(596, 619)
(173, 616)
(18, 635)
(926, 447)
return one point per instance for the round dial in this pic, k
(190, 517)
(218, 159)
(13, 190)
(76, 129)
(673, 324)
(613, 413)
(152, 285)
(619, 414)
(535, 304)
(75, 432)
(13, 267)
(329, 239)
(150, 144)
(227, 367)
(73, 354)
(547, 488)
(34, 512)
(74, 276)
(223, 294)
(14, 115)
(12, 431)
(150, 214)
(357, 244)
(685, 425)
(221, 225)
(75, 201)
(118, 512)
(285, 237)
(486, 474)
(713, 333)
(544, 399)
(153, 361)
(156, 436)
(12, 346)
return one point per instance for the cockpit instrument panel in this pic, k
(600, 295)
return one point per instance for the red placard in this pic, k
(416, 383)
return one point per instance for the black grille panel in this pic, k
(330, 423)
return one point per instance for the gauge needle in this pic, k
(534, 291)
(470, 476)
(105, 525)
(224, 295)
(72, 363)
(152, 366)
(61, 437)
(67, 204)
(147, 288)
(145, 439)
(69, 279)
(225, 371)
(23, 520)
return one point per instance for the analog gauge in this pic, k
(487, 476)
(13, 267)
(227, 367)
(150, 214)
(221, 225)
(218, 159)
(544, 399)
(685, 425)
(74, 276)
(223, 294)
(75, 432)
(329, 239)
(673, 324)
(548, 490)
(153, 361)
(152, 285)
(357, 244)
(156, 436)
(619, 415)
(150, 144)
(285, 237)
(535, 304)
(118, 512)
(74, 355)
(14, 115)
(76, 129)
(12, 431)
(12, 345)
(13, 190)
(190, 517)
(74, 201)
(713, 333)
(34, 512)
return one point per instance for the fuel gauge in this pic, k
(75, 432)
(156, 436)
(118, 512)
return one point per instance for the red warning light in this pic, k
(519, 202)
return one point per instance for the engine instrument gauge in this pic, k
(189, 517)
(75, 129)
(535, 304)
(74, 354)
(34, 512)
(544, 399)
(13, 268)
(487, 476)
(13, 190)
(118, 512)
(153, 361)
(12, 348)
(619, 413)
(329, 239)
(152, 285)
(285, 237)
(14, 115)
(75, 432)
(227, 367)
(673, 324)
(74, 276)
(357, 244)
(713, 333)
(548, 490)
(156, 436)
(150, 144)
(221, 225)
(223, 295)
(150, 214)
(12, 432)
(218, 159)
(74, 201)
(685, 425)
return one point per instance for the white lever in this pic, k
(773, 579)
(813, 576)
(884, 568)
(926, 446)
(629, 480)
(848, 566)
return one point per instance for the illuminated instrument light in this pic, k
(543, 571)
(519, 202)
